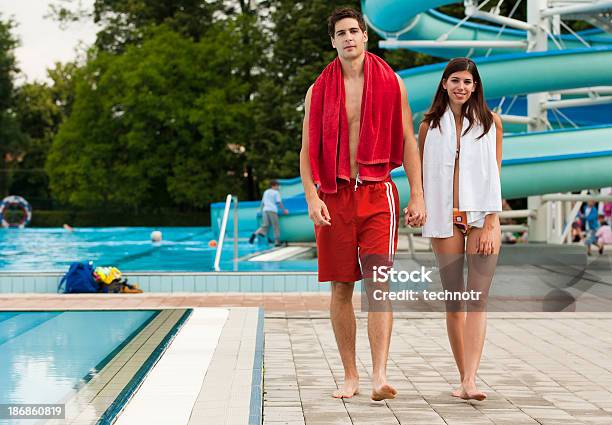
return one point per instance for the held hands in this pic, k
(317, 211)
(414, 213)
(285, 211)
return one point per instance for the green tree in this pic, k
(160, 124)
(38, 117)
(12, 140)
(40, 108)
(62, 88)
(124, 22)
(129, 22)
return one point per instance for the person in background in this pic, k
(603, 234)
(591, 225)
(607, 212)
(577, 234)
(271, 202)
(507, 237)
(605, 208)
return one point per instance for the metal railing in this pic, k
(557, 217)
(228, 202)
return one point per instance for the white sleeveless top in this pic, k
(479, 182)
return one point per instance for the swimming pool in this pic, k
(129, 249)
(47, 356)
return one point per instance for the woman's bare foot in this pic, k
(348, 389)
(469, 392)
(383, 391)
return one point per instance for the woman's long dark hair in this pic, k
(475, 109)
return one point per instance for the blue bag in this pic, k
(79, 279)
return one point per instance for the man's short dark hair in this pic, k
(342, 13)
(274, 183)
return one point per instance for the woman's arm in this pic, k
(492, 220)
(422, 134)
(499, 136)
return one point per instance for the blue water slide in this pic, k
(417, 20)
(520, 73)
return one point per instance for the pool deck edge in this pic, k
(235, 367)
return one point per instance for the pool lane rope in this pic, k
(15, 202)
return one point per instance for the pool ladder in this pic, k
(228, 202)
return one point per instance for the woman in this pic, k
(460, 141)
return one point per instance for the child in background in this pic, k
(604, 234)
(577, 230)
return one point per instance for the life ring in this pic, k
(15, 202)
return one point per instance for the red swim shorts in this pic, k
(363, 230)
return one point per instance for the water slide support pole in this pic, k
(235, 233)
(536, 42)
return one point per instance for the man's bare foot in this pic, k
(383, 392)
(348, 389)
(469, 392)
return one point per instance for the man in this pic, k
(357, 128)
(270, 202)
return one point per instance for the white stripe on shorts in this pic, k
(391, 202)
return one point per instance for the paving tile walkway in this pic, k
(535, 371)
(537, 368)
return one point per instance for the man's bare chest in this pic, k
(354, 93)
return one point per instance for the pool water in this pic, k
(129, 249)
(47, 356)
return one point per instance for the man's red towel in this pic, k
(381, 136)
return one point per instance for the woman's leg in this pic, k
(480, 275)
(449, 253)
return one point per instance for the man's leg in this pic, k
(275, 226)
(378, 212)
(337, 259)
(263, 230)
(344, 324)
(450, 256)
(380, 324)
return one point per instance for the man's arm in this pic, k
(279, 201)
(415, 214)
(317, 210)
